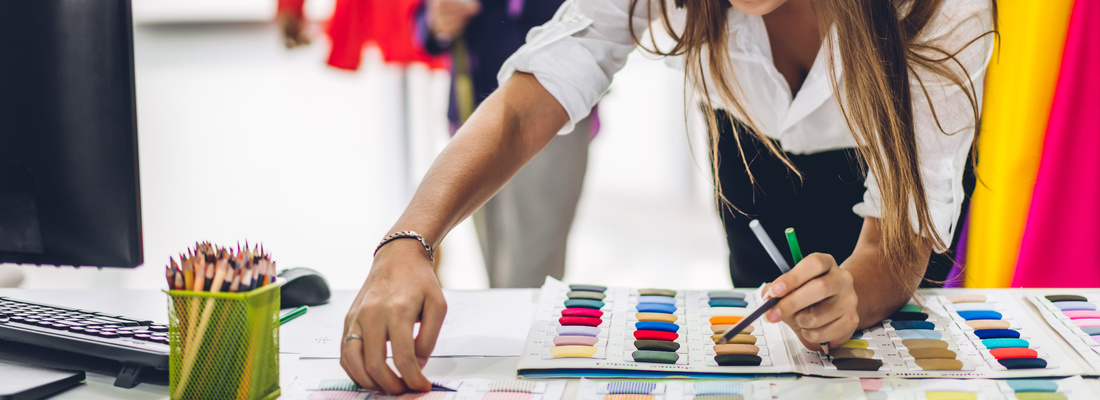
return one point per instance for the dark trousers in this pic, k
(818, 207)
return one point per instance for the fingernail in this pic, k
(779, 289)
(775, 315)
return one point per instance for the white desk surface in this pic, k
(152, 305)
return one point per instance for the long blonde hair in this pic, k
(878, 52)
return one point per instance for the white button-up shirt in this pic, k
(575, 55)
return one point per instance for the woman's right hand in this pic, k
(400, 291)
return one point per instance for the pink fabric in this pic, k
(870, 385)
(1086, 323)
(1081, 314)
(1063, 226)
(570, 340)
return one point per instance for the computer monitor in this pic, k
(68, 134)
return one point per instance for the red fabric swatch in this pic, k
(1013, 353)
(581, 312)
(585, 321)
(656, 335)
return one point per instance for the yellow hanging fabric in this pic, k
(1019, 89)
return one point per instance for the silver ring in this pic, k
(352, 336)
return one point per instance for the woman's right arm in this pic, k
(505, 132)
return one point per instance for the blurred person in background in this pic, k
(524, 228)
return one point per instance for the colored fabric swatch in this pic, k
(656, 308)
(656, 326)
(628, 397)
(730, 348)
(1023, 363)
(656, 335)
(966, 298)
(731, 360)
(725, 294)
(581, 294)
(903, 325)
(581, 312)
(1064, 217)
(1055, 298)
(1005, 343)
(631, 387)
(659, 317)
(933, 353)
(997, 333)
(659, 357)
(1086, 323)
(657, 299)
(578, 330)
(1041, 396)
(337, 384)
(979, 314)
(572, 351)
(584, 303)
(727, 303)
(1032, 385)
(656, 345)
(588, 288)
(1081, 314)
(723, 320)
(333, 395)
(657, 292)
(1074, 305)
(576, 340)
(939, 364)
(423, 396)
(1019, 88)
(583, 321)
(506, 396)
(944, 395)
(718, 397)
(718, 387)
(857, 364)
(988, 324)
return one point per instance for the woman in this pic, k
(896, 83)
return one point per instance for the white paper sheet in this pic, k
(478, 323)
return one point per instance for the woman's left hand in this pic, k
(818, 302)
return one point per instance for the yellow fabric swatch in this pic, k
(1019, 90)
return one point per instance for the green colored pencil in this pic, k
(796, 252)
(295, 313)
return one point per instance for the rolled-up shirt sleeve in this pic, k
(944, 121)
(575, 54)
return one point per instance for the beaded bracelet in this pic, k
(407, 235)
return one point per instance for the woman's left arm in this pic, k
(825, 302)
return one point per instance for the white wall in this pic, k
(243, 140)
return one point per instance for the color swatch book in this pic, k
(1073, 388)
(443, 389)
(727, 389)
(596, 331)
(1075, 317)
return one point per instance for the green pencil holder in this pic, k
(224, 345)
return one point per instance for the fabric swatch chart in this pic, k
(442, 389)
(756, 389)
(1073, 388)
(596, 331)
(1076, 318)
(649, 330)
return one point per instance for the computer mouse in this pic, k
(303, 287)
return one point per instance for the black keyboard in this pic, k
(136, 344)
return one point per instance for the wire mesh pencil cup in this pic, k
(224, 345)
